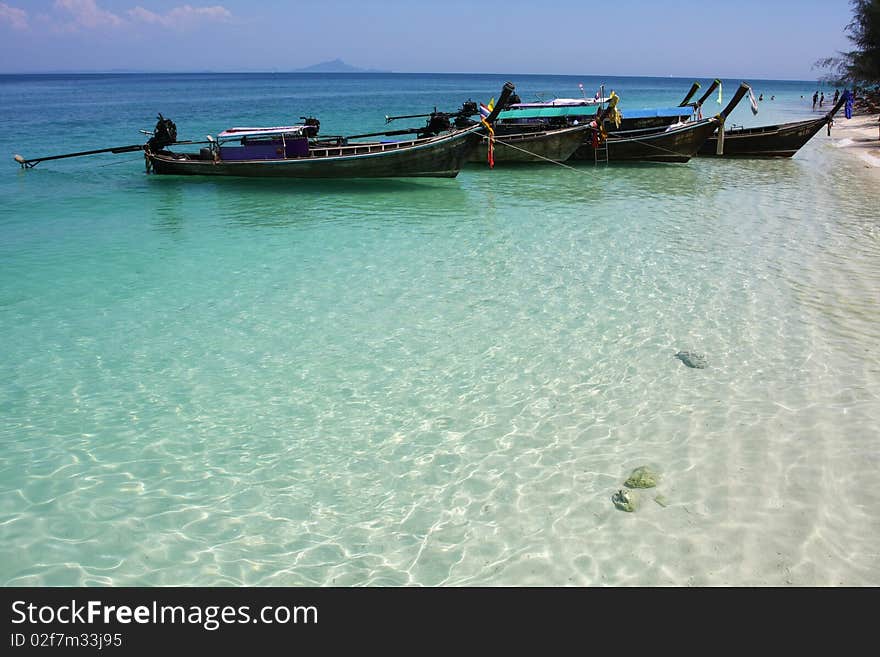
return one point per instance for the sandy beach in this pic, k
(859, 136)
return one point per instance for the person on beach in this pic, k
(822, 99)
(836, 95)
(761, 97)
(815, 100)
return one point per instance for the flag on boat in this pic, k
(752, 101)
(486, 110)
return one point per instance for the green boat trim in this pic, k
(547, 112)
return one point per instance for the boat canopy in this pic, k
(656, 112)
(238, 133)
(546, 112)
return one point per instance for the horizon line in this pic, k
(382, 72)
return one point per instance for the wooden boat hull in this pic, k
(676, 145)
(782, 140)
(530, 147)
(438, 157)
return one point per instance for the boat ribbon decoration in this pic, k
(611, 114)
(719, 92)
(485, 111)
(614, 113)
(600, 134)
(752, 102)
(600, 137)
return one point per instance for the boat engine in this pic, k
(164, 134)
(467, 110)
(312, 126)
(439, 122)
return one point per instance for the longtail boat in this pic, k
(530, 146)
(523, 132)
(530, 132)
(783, 140)
(548, 131)
(290, 152)
(630, 119)
(675, 143)
(295, 151)
(286, 152)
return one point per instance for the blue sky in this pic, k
(777, 39)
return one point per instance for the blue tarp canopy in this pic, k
(582, 110)
(656, 112)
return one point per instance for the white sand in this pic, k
(859, 135)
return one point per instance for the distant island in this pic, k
(336, 66)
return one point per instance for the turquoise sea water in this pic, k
(399, 382)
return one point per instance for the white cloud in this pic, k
(87, 13)
(181, 17)
(145, 16)
(16, 17)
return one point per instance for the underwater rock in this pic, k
(625, 500)
(661, 500)
(642, 477)
(692, 359)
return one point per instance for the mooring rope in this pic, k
(565, 166)
(540, 157)
(646, 143)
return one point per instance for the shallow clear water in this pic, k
(428, 382)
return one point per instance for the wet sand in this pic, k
(859, 135)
